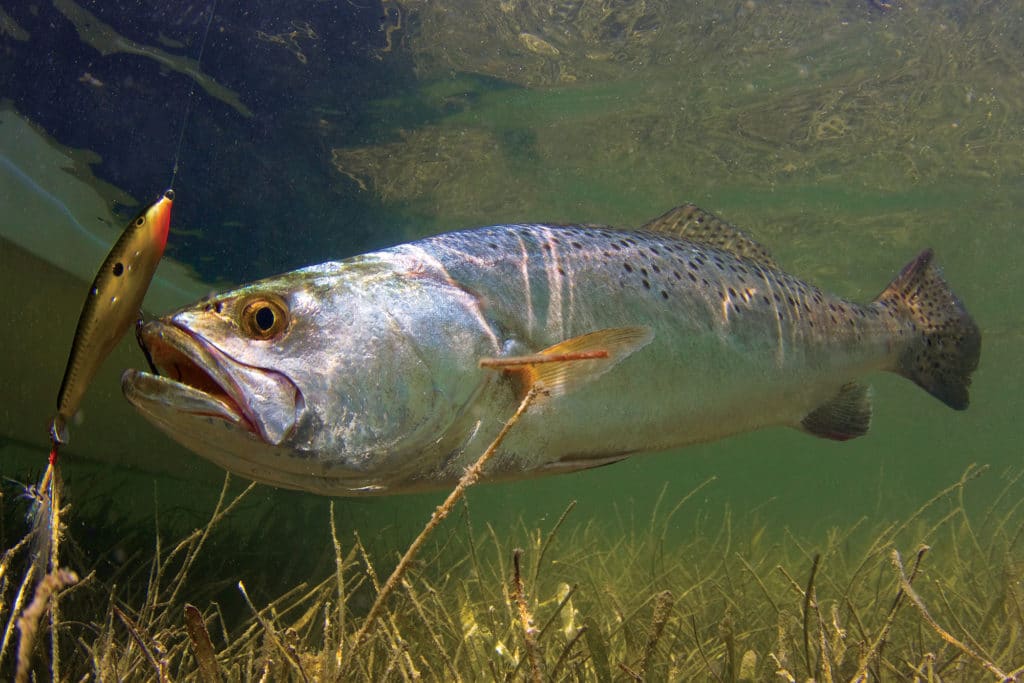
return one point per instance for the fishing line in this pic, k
(191, 94)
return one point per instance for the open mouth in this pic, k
(176, 355)
(193, 376)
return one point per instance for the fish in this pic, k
(112, 305)
(392, 371)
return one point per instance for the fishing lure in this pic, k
(112, 305)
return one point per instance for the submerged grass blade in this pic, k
(525, 619)
(28, 622)
(202, 646)
(468, 479)
(459, 616)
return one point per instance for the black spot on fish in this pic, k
(647, 285)
(576, 245)
(629, 268)
(643, 271)
(561, 270)
(693, 278)
(732, 292)
(664, 294)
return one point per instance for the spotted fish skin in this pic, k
(381, 355)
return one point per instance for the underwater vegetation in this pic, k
(632, 101)
(935, 596)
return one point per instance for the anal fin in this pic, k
(562, 368)
(845, 416)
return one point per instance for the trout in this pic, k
(392, 371)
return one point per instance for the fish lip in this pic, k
(194, 364)
(140, 387)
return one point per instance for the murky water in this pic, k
(843, 135)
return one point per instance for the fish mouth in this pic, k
(193, 376)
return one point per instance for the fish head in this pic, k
(340, 378)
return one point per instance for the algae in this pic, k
(709, 100)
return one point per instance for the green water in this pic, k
(844, 137)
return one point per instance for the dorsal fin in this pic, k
(694, 224)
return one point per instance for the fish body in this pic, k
(112, 305)
(394, 370)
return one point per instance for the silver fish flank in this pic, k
(392, 371)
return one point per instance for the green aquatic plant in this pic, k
(936, 596)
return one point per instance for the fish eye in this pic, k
(140, 221)
(264, 317)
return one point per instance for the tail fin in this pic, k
(946, 342)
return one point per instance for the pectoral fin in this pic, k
(568, 365)
(845, 416)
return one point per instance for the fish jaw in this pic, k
(197, 380)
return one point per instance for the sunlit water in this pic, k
(843, 136)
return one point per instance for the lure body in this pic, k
(112, 305)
